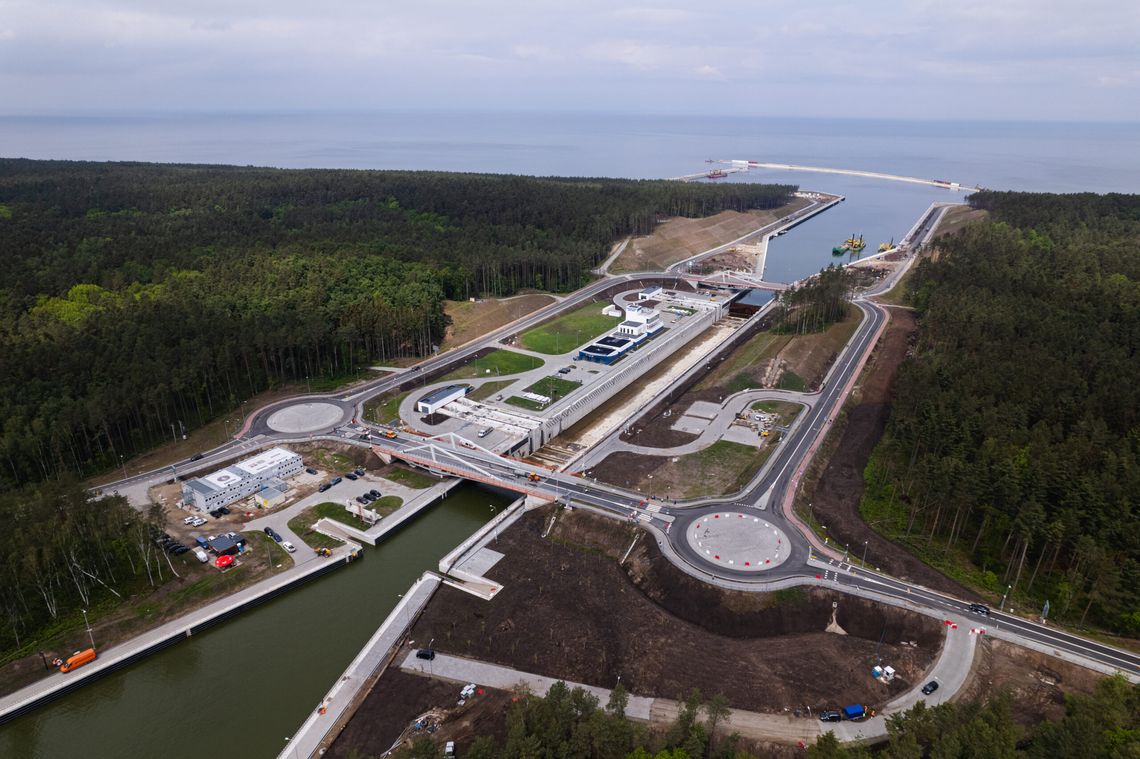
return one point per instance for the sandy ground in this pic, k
(678, 238)
(471, 320)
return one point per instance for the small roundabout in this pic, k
(305, 417)
(737, 541)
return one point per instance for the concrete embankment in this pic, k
(342, 699)
(123, 655)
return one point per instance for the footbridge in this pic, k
(737, 165)
(739, 280)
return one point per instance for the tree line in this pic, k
(140, 297)
(816, 303)
(568, 724)
(1013, 444)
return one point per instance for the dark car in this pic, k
(224, 509)
(323, 487)
(930, 687)
(361, 500)
(368, 498)
(425, 653)
(829, 716)
(181, 549)
(335, 481)
(198, 457)
(350, 475)
(310, 470)
(374, 493)
(358, 472)
(980, 609)
(273, 534)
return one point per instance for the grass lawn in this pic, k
(569, 330)
(385, 408)
(789, 380)
(470, 320)
(723, 467)
(265, 546)
(526, 403)
(741, 369)
(302, 524)
(499, 362)
(784, 410)
(487, 389)
(408, 477)
(554, 387)
(331, 461)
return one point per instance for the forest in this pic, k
(815, 304)
(569, 724)
(1012, 451)
(134, 297)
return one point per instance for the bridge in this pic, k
(738, 280)
(738, 165)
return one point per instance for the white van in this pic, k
(201, 555)
(449, 749)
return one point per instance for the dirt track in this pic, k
(835, 497)
(568, 610)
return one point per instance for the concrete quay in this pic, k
(117, 657)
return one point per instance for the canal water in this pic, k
(241, 688)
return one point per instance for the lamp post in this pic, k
(824, 528)
(864, 553)
(495, 529)
(123, 464)
(1004, 595)
(86, 624)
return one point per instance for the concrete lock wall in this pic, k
(632, 367)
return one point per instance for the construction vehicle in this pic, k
(78, 659)
(885, 246)
(390, 434)
(323, 552)
(532, 477)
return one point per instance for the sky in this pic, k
(963, 59)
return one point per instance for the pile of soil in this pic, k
(568, 610)
(835, 497)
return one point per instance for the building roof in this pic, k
(754, 297)
(223, 543)
(651, 290)
(265, 460)
(444, 392)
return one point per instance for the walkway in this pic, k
(950, 671)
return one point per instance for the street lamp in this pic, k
(123, 464)
(824, 528)
(86, 624)
(495, 529)
(1003, 596)
(864, 553)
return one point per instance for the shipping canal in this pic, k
(244, 686)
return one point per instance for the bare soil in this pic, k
(471, 320)
(835, 494)
(568, 610)
(398, 698)
(679, 238)
(720, 469)
(1038, 683)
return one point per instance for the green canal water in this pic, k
(241, 688)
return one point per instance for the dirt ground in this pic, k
(720, 469)
(398, 698)
(1037, 682)
(835, 495)
(679, 237)
(568, 610)
(470, 320)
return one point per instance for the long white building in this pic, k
(242, 479)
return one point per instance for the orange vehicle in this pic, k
(389, 434)
(533, 477)
(78, 660)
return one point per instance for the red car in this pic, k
(223, 561)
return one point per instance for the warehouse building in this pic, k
(639, 325)
(240, 480)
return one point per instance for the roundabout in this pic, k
(738, 541)
(305, 417)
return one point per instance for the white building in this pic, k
(640, 321)
(244, 478)
(437, 399)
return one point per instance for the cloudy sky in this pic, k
(971, 59)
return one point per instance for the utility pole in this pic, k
(864, 554)
(1003, 596)
(87, 624)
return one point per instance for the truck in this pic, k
(78, 659)
(201, 555)
(855, 711)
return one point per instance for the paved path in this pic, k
(950, 670)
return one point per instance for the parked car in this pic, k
(425, 653)
(310, 470)
(224, 509)
(188, 520)
(324, 486)
(361, 500)
(181, 549)
(358, 472)
(335, 481)
(564, 370)
(223, 561)
(368, 498)
(273, 534)
(350, 475)
(930, 687)
(374, 493)
(485, 432)
(829, 715)
(288, 546)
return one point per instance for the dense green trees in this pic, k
(134, 297)
(815, 304)
(1014, 436)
